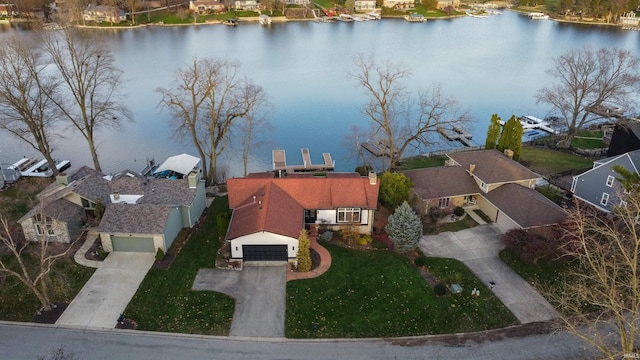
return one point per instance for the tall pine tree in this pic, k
(493, 133)
(511, 137)
(304, 254)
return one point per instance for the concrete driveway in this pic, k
(478, 248)
(108, 292)
(260, 297)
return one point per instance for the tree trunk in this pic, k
(566, 142)
(94, 153)
(51, 163)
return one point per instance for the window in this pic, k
(623, 204)
(39, 230)
(605, 199)
(443, 202)
(610, 180)
(88, 204)
(351, 215)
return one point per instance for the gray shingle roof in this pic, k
(134, 218)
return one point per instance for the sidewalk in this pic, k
(92, 235)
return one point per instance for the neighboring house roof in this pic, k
(273, 210)
(181, 164)
(60, 209)
(135, 219)
(440, 182)
(525, 206)
(492, 167)
(592, 184)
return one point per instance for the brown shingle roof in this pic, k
(439, 182)
(525, 206)
(493, 167)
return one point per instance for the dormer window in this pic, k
(88, 204)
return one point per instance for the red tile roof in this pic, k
(277, 204)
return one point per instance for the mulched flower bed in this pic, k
(51, 316)
(92, 253)
(165, 263)
(315, 259)
(126, 324)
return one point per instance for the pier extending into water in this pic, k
(280, 162)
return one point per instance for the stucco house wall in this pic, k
(263, 238)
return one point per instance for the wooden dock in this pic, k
(280, 162)
(377, 150)
(458, 134)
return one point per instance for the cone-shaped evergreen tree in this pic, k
(304, 254)
(404, 228)
(493, 133)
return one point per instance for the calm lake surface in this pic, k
(490, 65)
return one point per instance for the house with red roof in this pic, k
(269, 212)
(490, 181)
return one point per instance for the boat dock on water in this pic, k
(30, 167)
(280, 162)
(457, 133)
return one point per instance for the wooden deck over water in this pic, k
(280, 162)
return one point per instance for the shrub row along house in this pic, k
(141, 213)
(269, 212)
(490, 181)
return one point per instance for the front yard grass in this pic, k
(587, 139)
(545, 276)
(165, 301)
(547, 161)
(381, 294)
(65, 281)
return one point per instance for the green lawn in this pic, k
(420, 162)
(381, 294)
(587, 139)
(545, 276)
(65, 281)
(547, 161)
(165, 301)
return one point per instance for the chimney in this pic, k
(373, 178)
(508, 153)
(62, 179)
(472, 167)
(116, 196)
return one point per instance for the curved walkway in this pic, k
(325, 262)
(79, 256)
(478, 249)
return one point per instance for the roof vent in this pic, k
(116, 196)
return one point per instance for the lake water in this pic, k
(490, 65)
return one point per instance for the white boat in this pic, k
(264, 19)
(345, 17)
(360, 18)
(373, 16)
(538, 16)
(34, 168)
(415, 18)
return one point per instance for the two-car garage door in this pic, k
(132, 244)
(264, 253)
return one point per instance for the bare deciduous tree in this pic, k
(585, 78)
(601, 298)
(252, 130)
(90, 97)
(34, 278)
(26, 112)
(401, 120)
(205, 101)
(353, 141)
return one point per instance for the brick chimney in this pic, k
(373, 178)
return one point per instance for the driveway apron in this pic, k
(108, 292)
(478, 249)
(260, 297)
